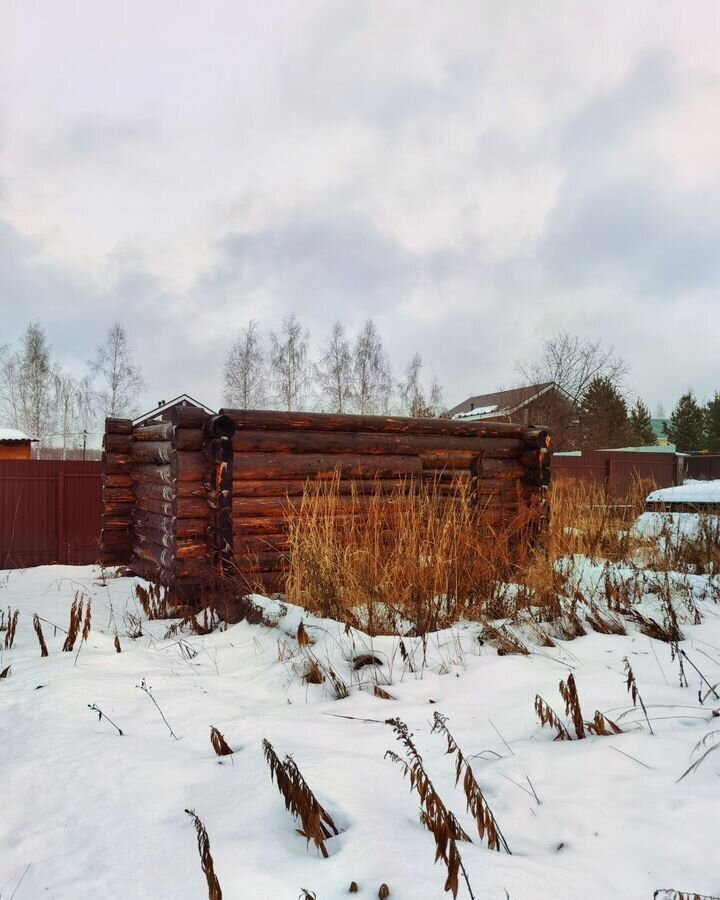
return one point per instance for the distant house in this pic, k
(14, 444)
(537, 404)
(163, 411)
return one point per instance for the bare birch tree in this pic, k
(121, 381)
(245, 374)
(415, 400)
(333, 373)
(289, 364)
(26, 385)
(372, 379)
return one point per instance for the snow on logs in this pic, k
(210, 493)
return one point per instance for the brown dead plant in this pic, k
(434, 815)
(316, 823)
(548, 717)
(12, 621)
(632, 688)
(76, 613)
(220, 745)
(477, 805)
(568, 691)
(39, 632)
(206, 860)
(599, 725)
(154, 601)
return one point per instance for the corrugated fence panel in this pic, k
(49, 512)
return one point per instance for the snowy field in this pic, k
(87, 812)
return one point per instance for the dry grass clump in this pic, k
(316, 823)
(434, 815)
(154, 601)
(220, 745)
(598, 725)
(477, 805)
(413, 554)
(206, 860)
(76, 622)
(10, 627)
(671, 894)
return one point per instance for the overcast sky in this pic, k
(474, 176)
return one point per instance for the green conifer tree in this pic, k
(686, 428)
(712, 424)
(641, 430)
(604, 420)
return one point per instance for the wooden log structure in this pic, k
(206, 494)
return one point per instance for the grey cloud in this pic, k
(612, 115)
(639, 232)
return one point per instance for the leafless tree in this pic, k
(121, 381)
(246, 371)
(26, 385)
(571, 362)
(75, 405)
(333, 373)
(288, 363)
(372, 379)
(415, 400)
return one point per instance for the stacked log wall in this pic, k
(215, 492)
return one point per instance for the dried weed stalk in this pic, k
(5, 672)
(220, 745)
(153, 600)
(477, 805)
(39, 632)
(76, 611)
(632, 688)
(11, 628)
(315, 821)
(102, 715)
(548, 717)
(568, 691)
(434, 815)
(206, 860)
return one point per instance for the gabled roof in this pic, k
(182, 400)
(501, 402)
(13, 436)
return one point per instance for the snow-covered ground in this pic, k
(689, 492)
(87, 813)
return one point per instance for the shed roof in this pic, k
(182, 400)
(500, 402)
(13, 436)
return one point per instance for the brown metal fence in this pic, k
(49, 512)
(618, 470)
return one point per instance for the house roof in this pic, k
(499, 402)
(182, 400)
(13, 436)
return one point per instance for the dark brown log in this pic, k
(117, 495)
(191, 548)
(190, 466)
(116, 443)
(118, 426)
(191, 528)
(254, 466)
(183, 508)
(117, 510)
(189, 439)
(258, 525)
(161, 432)
(297, 487)
(358, 442)
(537, 437)
(261, 562)
(143, 534)
(165, 491)
(151, 452)
(248, 544)
(154, 553)
(219, 427)
(535, 479)
(117, 481)
(276, 506)
(192, 568)
(447, 462)
(148, 520)
(500, 468)
(302, 421)
(116, 463)
(189, 417)
(111, 537)
(149, 474)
